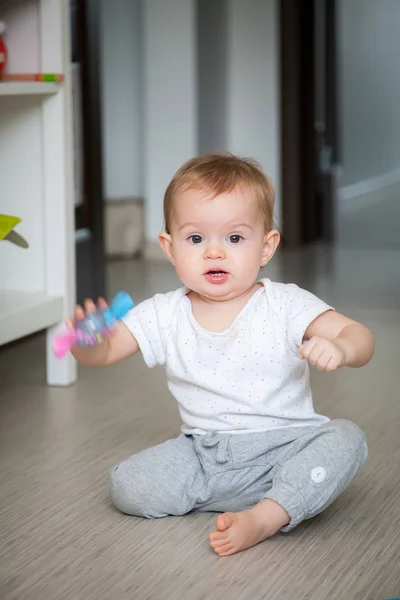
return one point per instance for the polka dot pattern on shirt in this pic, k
(248, 378)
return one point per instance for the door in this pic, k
(309, 121)
(90, 266)
(325, 122)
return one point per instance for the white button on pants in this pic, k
(318, 475)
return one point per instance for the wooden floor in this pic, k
(60, 538)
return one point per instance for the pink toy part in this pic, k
(63, 343)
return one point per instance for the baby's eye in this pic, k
(235, 238)
(195, 239)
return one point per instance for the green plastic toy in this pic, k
(7, 224)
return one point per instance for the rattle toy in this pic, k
(95, 327)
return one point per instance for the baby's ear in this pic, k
(271, 242)
(165, 241)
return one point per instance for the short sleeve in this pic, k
(299, 308)
(148, 323)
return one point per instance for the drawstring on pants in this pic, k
(221, 440)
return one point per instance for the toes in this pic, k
(228, 552)
(217, 535)
(219, 543)
(224, 521)
(223, 549)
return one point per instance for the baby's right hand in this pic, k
(96, 353)
(118, 343)
(89, 307)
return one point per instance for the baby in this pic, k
(236, 351)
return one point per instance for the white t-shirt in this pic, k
(248, 378)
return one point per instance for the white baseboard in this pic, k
(124, 227)
(124, 231)
(364, 193)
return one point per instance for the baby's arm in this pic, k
(119, 345)
(333, 340)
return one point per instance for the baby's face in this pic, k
(218, 244)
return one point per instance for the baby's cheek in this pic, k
(185, 268)
(250, 265)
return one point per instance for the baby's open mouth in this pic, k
(216, 276)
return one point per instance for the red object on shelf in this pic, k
(3, 48)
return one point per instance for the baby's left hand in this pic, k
(326, 355)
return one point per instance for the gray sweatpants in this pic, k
(301, 468)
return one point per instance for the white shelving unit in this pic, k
(34, 88)
(37, 285)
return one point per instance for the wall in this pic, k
(170, 116)
(253, 85)
(122, 93)
(369, 93)
(238, 63)
(200, 75)
(212, 65)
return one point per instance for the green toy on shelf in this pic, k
(7, 224)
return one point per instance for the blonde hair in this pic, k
(220, 173)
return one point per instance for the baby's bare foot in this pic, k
(238, 531)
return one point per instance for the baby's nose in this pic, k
(214, 251)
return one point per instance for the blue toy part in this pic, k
(109, 319)
(96, 325)
(121, 304)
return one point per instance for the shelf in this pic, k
(23, 313)
(37, 285)
(28, 88)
